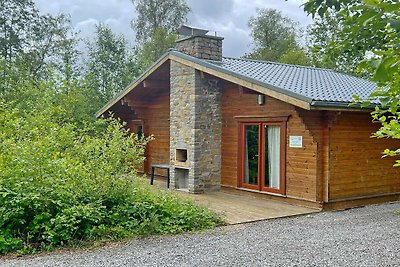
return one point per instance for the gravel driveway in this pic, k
(367, 236)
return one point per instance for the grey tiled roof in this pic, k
(317, 85)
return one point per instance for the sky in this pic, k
(228, 18)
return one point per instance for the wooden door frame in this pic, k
(282, 123)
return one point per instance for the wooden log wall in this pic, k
(154, 112)
(318, 123)
(338, 160)
(356, 166)
(301, 163)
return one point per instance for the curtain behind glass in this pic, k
(273, 133)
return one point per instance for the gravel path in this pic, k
(367, 236)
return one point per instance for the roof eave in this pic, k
(264, 88)
(133, 84)
(267, 89)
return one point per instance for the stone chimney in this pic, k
(195, 116)
(196, 43)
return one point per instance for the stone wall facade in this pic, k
(203, 46)
(195, 126)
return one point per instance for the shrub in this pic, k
(63, 182)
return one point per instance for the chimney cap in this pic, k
(191, 31)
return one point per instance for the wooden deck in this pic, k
(242, 208)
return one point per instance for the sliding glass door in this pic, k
(262, 158)
(251, 147)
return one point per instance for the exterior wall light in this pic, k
(261, 99)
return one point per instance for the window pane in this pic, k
(272, 156)
(251, 154)
(140, 131)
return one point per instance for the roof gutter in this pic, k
(331, 105)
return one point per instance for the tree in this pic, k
(382, 20)
(67, 64)
(323, 34)
(32, 43)
(295, 56)
(337, 46)
(155, 14)
(158, 44)
(155, 27)
(110, 65)
(274, 35)
(64, 176)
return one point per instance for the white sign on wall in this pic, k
(296, 141)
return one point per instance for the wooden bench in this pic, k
(159, 166)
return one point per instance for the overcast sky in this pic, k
(226, 17)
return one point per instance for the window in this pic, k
(139, 131)
(136, 127)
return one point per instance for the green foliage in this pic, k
(341, 39)
(155, 28)
(295, 56)
(66, 177)
(377, 22)
(63, 182)
(155, 14)
(153, 49)
(111, 64)
(320, 7)
(324, 36)
(34, 43)
(276, 38)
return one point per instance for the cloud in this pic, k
(229, 19)
(85, 14)
(86, 27)
(226, 17)
(210, 10)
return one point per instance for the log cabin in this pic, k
(279, 131)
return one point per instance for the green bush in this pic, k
(63, 182)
